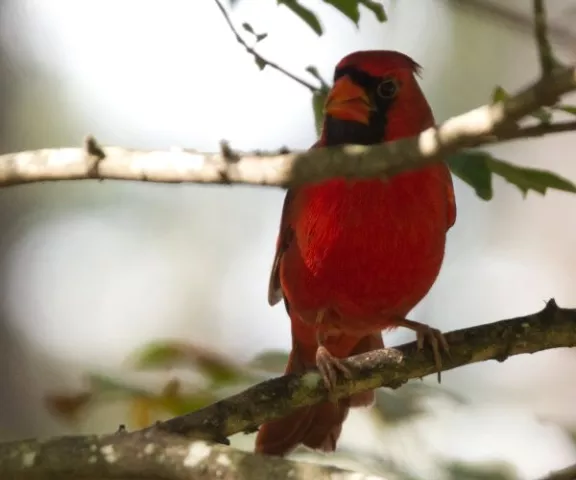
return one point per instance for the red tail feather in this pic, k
(319, 426)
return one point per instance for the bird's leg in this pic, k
(328, 365)
(434, 336)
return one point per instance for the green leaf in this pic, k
(471, 168)
(162, 354)
(477, 168)
(104, 385)
(527, 179)
(566, 109)
(260, 62)
(248, 28)
(218, 369)
(272, 360)
(499, 94)
(318, 101)
(259, 36)
(376, 8)
(304, 13)
(486, 470)
(172, 400)
(348, 7)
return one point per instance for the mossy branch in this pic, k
(552, 327)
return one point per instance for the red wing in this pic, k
(285, 237)
(451, 199)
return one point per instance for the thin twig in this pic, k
(535, 131)
(259, 58)
(547, 61)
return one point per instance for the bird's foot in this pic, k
(434, 336)
(328, 366)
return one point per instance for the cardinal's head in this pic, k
(375, 98)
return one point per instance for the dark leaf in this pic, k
(348, 7)
(471, 168)
(261, 63)
(248, 28)
(376, 8)
(272, 360)
(318, 101)
(259, 36)
(476, 169)
(304, 13)
(527, 179)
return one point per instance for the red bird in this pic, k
(354, 257)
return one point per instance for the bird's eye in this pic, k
(388, 88)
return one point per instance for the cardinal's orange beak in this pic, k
(348, 101)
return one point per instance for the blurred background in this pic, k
(93, 271)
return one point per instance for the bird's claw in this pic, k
(436, 339)
(328, 366)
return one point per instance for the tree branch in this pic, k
(485, 125)
(535, 131)
(156, 452)
(568, 473)
(545, 55)
(260, 60)
(552, 327)
(147, 456)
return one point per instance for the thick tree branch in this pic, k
(482, 126)
(146, 456)
(552, 327)
(155, 453)
(545, 55)
(568, 473)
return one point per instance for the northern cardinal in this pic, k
(354, 257)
